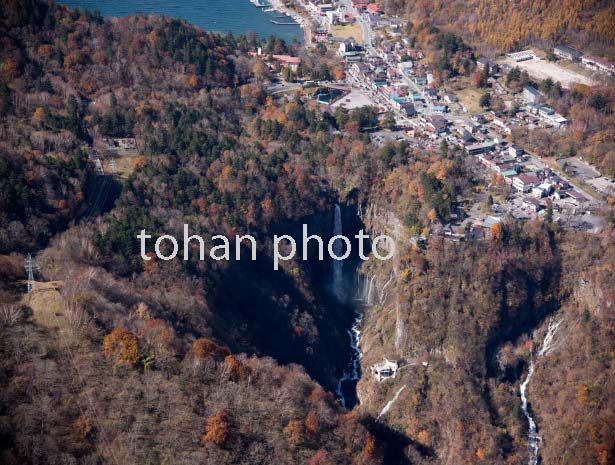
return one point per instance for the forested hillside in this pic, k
(111, 362)
(511, 24)
(466, 321)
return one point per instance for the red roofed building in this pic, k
(598, 64)
(373, 8)
(524, 182)
(287, 60)
(360, 4)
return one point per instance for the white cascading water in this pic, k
(337, 266)
(352, 373)
(369, 291)
(382, 293)
(534, 439)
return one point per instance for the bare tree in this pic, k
(10, 314)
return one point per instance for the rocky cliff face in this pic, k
(384, 334)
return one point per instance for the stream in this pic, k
(534, 440)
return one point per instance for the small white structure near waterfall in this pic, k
(385, 370)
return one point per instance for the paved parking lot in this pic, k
(355, 99)
(603, 185)
(578, 168)
(543, 69)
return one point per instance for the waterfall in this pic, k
(534, 439)
(353, 372)
(382, 294)
(337, 266)
(364, 289)
(370, 290)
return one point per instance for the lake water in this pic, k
(236, 16)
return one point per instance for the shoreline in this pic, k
(302, 22)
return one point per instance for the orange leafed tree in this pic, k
(321, 457)
(294, 432)
(370, 445)
(82, 426)
(235, 369)
(497, 231)
(432, 215)
(204, 348)
(217, 429)
(122, 346)
(39, 114)
(311, 422)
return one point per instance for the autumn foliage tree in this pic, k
(295, 432)
(217, 429)
(370, 448)
(82, 426)
(204, 348)
(235, 370)
(311, 422)
(121, 346)
(497, 231)
(321, 457)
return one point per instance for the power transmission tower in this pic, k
(30, 267)
(99, 167)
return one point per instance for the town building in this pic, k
(523, 55)
(531, 95)
(385, 370)
(598, 64)
(289, 61)
(408, 108)
(350, 51)
(542, 190)
(515, 151)
(568, 53)
(320, 35)
(532, 204)
(524, 182)
(122, 143)
(374, 9)
(483, 147)
(436, 124)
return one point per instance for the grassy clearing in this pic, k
(346, 32)
(125, 162)
(469, 97)
(46, 304)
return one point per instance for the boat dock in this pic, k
(280, 23)
(260, 3)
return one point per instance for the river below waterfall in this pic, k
(534, 439)
(347, 385)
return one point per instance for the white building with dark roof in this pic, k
(531, 95)
(568, 53)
